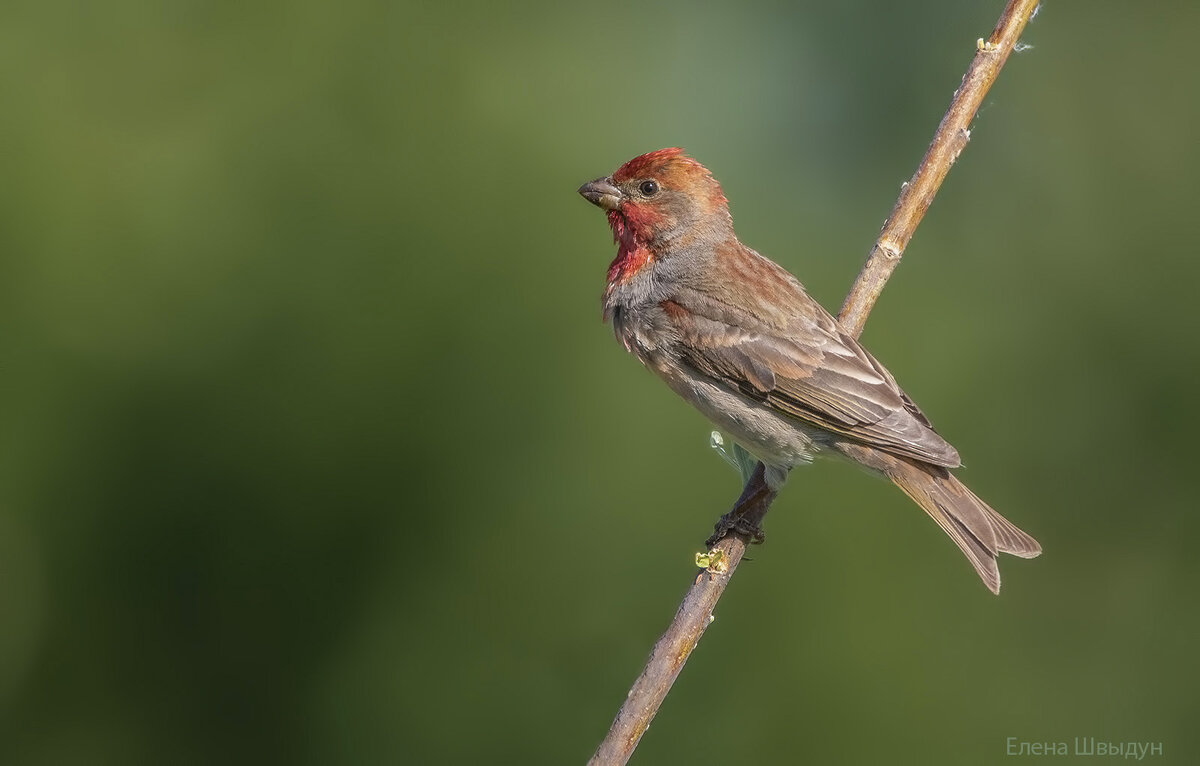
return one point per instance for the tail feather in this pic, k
(978, 531)
(975, 528)
(1012, 540)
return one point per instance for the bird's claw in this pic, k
(736, 522)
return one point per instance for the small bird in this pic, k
(738, 337)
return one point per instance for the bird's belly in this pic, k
(771, 437)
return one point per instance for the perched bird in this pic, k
(738, 337)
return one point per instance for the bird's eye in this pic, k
(648, 188)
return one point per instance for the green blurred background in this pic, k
(315, 450)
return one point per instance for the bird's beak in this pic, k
(601, 193)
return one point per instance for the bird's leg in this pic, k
(747, 513)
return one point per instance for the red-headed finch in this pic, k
(737, 336)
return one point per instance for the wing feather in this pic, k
(800, 362)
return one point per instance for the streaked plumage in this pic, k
(738, 337)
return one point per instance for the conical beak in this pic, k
(601, 193)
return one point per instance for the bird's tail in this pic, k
(975, 528)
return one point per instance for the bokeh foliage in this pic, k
(315, 451)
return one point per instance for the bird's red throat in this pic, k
(632, 251)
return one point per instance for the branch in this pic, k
(695, 612)
(948, 142)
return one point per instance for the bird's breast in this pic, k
(650, 334)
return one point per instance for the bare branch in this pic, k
(695, 612)
(948, 142)
(672, 650)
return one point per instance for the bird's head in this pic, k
(659, 199)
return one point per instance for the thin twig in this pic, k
(948, 142)
(695, 612)
(693, 616)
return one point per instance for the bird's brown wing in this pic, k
(779, 347)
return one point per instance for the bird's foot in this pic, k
(745, 518)
(736, 521)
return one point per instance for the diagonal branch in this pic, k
(948, 142)
(696, 611)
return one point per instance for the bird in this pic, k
(739, 338)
